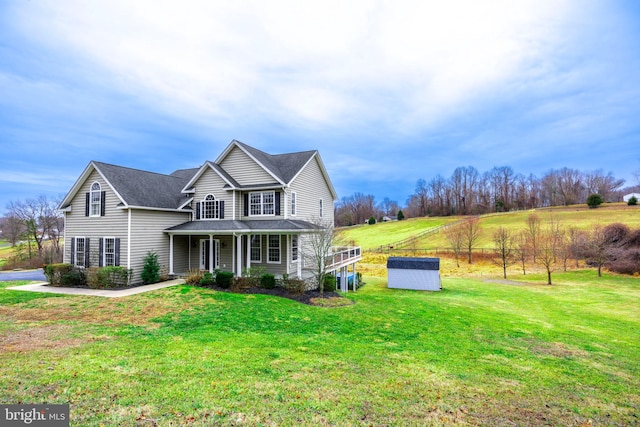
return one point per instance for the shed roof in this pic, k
(408, 263)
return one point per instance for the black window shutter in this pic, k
(116, 256)
(246, 204)
(86, 205)
(277, 203)
(100, 261)
(198, 210)
(87, 246)
(73, 250)
(103, 199)
(221, 209)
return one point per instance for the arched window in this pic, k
(210, 207)
(95, 199)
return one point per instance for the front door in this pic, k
(205, 254)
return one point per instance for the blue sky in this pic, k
(389, 92)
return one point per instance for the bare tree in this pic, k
(503, 242)
(549, 246)
(317, 250)
(471, 233)
(12, 229)
(40, 219)
(533, 234)
(455, 236)
(521, 249)
(594, 249)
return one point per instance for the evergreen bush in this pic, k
(268, 281)
(208, 279)
(329, 283)
(224, 279)
(150, 268)
(594, 200)
(632, 201)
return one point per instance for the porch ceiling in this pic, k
(233, 226)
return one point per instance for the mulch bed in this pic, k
(304, 298)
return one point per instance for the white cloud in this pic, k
(312, 63)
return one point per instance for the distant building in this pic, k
(630, 195)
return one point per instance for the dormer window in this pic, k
(95, 199)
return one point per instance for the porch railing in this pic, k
(343, 255)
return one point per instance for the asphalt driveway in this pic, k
(33, 275)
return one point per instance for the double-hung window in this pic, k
(294, 247)
(109, 253)
(273, 255)
(262, 203)
(293, 203)
(95, 199)
(256, 248)
(80, 251)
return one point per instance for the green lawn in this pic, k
(477, 353)
(372, 236)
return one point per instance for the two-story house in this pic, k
(245, 209)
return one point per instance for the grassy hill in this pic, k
(372, 236)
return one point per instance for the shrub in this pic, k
(74, 278)
(372, 220)
(632, 201)
(400, 215)
(54, 273)
(294, 286)
(268, 281)
(594, 200)
(253, 276)
(329, 283)
(616, 234)
(224, 279)
(111, 277)
(150, 269)
(208, 279)
(194, 277)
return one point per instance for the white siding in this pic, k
(112, 224)
(244, 170)
(310, 186)
(424, 280)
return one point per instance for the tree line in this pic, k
(501, 189)
(552, 245)
(35, 227)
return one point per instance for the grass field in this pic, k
(372, 236)
(477, 353)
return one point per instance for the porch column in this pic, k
(300, 257)
(249, 236)
(355, 276)
(171, 254)
(239, 255)
(211, 253)
(344, 280)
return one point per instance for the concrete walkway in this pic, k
(44, 287)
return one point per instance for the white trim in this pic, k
(129, 240)
(147, 208)
(236, 143)
(259, 236)
(262, 203)
(216, 208)
(104, 251)
(188, 188)
(84, 251)
(297, 258)
(279, 249)
(99, 203)
(188, 202)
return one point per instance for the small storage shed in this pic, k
(414, 273)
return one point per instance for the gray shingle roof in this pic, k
(408, 263)
(148, 189)
(220, 226)
(284, 166)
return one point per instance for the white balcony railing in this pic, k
(343, 255)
